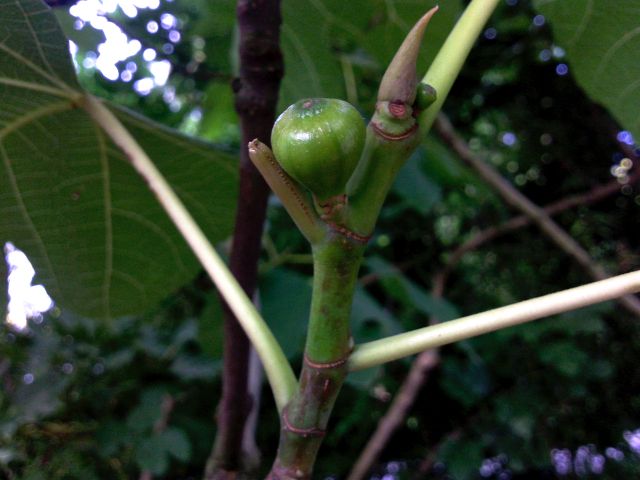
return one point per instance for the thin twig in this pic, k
(404, 399)
(249, 443)
(402, 402)
(537, 215)
(397, 412)
(166, 408)
(596, 194)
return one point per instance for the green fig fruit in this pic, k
(318, 142)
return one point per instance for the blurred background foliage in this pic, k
(557, 398)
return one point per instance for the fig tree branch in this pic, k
(256, 97)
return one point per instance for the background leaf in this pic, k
(176, 443)
(602, 44)
(286, 297)
(97, 237)
(416, 189)
(324, 41)
(152, 455)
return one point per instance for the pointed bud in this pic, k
(401, 79)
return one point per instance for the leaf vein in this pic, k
(621, 42)
(108, 240)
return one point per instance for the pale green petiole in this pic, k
(398, 346)
(448, 62)
(278, 370)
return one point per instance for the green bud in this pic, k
(318, 142)
(426, 95)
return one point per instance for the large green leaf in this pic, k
(602, 41)
(97, 237)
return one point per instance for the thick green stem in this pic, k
(391, 135)
(336, 263)
(381, 159)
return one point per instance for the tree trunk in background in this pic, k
(256, 96)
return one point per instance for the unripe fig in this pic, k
(318, 142)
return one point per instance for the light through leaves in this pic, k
(118, 47)
(26, 301)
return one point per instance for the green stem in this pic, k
(336, 262)
(277, 367)
(304, 420)
(368, 187)
(399, 346)
(392, 134)
(447, 65)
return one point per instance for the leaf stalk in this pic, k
(276, 365)
(454, 52)
(398, 346)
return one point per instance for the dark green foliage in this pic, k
(85, 402)
(96, 397)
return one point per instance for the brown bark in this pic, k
(256, 96)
